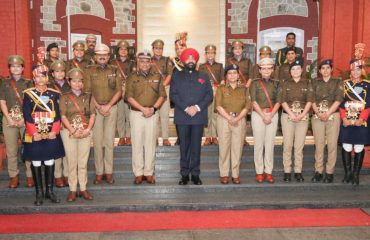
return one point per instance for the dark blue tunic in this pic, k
(45, 149)
(355, 134)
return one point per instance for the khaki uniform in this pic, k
(164, 67)
(231, 138)
(11, 135)
(324, 95)
(281, 55)
(77, 150)
(123, 111)
(145, 90)
(264, 135)
(61, 164)
(296, 95)
(215, 72)
(103, 83)
(76, 63)
(245, 68)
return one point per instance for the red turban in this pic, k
(187, 52)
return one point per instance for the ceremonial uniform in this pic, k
(215, 72)
(296, 95)
(325, 93)
(145, 89)
(353, 108)
(11, 96)
(103, 82)
(266, 94)
(231, 138)
(76, 108)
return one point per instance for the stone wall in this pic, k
(49, 15)
(271, 8)
(123, 15)
(239, 16)
(89, 7)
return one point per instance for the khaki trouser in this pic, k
(123, 120)
(210, 130)
(77, 151)
(231, 142)
(164, 112)
(103, 137)
(264, 141)
(143, 137)
(294, 134)
(330, 130)
(11, 136)
(61, 167)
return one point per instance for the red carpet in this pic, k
(133, 221)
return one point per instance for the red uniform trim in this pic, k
(31, 128)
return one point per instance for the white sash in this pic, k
(354, 92)
(40, 100)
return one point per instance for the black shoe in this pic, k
(329, 178)
(196, 180)
(184, 180)
(317, 177)
(49, 183)
(287, 177)
(298, 177)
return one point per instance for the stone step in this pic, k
(165, 196)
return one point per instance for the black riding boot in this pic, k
(49, 183)
(359, 159)
(347, 166)
(37, 178)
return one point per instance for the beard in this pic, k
(190, 66)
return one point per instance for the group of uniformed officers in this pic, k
(93, 95)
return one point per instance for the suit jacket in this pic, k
(187, 89)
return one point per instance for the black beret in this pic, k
(231, 67)
(297, 62)
(326, 62)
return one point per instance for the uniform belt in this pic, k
(233, 114)
(135, 109)
(266, 110)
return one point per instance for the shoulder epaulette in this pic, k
(54, 90)
(366, 80)
(29, 89)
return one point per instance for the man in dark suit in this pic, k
(191, 93)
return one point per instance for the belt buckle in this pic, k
(233, 114)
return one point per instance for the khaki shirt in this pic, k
(217, 70)
(330, 91)
(67, 107)
(283, 72)
(102, 82)
(293, 92)
(128, 67)
(62, 89)
(232, 100)
(163, 66)
(75, 63)
(8, 94)
(258, 95)
(90, 56)
(245, 67)
(145, 89)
